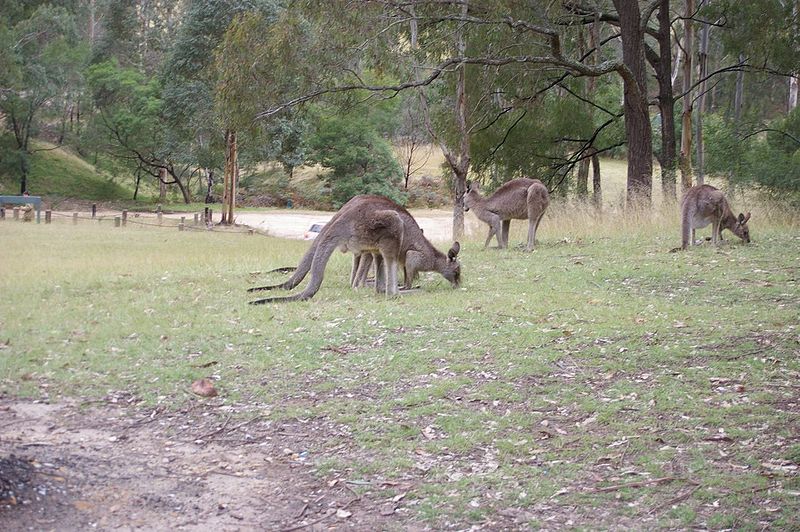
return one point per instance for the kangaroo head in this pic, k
(452, 271)
(471, 196)
(740, 228)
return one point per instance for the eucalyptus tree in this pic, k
(191, 76)
(40, 55)
(433, 45)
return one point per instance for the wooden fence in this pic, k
(202, 221)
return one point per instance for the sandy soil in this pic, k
(437, 226)
(106, 467)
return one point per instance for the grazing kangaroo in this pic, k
(376, 231)
(423, 255)
(429, 259)
(703, 205)
(519, 199)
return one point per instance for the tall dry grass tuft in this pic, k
(574, 220)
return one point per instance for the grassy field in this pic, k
(600, 381)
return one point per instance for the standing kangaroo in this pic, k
(416, 252)
(519, 199)
(377, 231)
(703, 205)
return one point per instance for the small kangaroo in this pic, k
(703, 205)
(429, 259)
(422, 254)
(377, 231)
(519, 199)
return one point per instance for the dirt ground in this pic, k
(112, 466)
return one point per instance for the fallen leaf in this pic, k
(388, 508)
(83, 506)
(204, 388)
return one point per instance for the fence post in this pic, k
(195, 218)
(74, 218)
(16, 213)
(211, 216)
(2, 213)
(159, 215)
(47, 216)
(180, 225)
(205, 215)
(116, 221)
(94, 210)
(124, 218)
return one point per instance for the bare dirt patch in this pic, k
(68, 467)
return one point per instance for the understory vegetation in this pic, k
(567, 384)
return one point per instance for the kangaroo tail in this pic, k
(300, 272)
(283, 269)
(322, 253)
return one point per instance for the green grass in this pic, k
(599, 360)
(55, 172)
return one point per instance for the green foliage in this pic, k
(358, 159)
(131, 108)
(40, 63)
(769, 159)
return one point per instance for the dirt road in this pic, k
(437, 225)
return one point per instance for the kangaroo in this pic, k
(703, 205)
(423, 255)
(377, 231)
(519, 199)
(429, 259)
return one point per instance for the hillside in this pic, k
(57, 173)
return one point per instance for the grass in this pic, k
(56, 172)
(586, 384)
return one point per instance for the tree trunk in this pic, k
(24, 168)
(138, 182)
(686, 118)
(231, 171)
(209, 184)
(162, 185)
(738, 97)
(666, 103)
(702, 66)
(187, 197)
(582, 182)
(459, 164)
(793, 89)
(597, 196)
(637, 120)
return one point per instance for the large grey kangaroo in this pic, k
(703, 205)
(378, 231)
(519, 199)
(416, 254)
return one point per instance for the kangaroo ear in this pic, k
(469, 186)
(746, 217)
(741, 218)
(453, 253)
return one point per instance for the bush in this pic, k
(360, 161)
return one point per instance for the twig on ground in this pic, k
(310, 523)
(225, 424)
(674, 500)
(640, 484)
